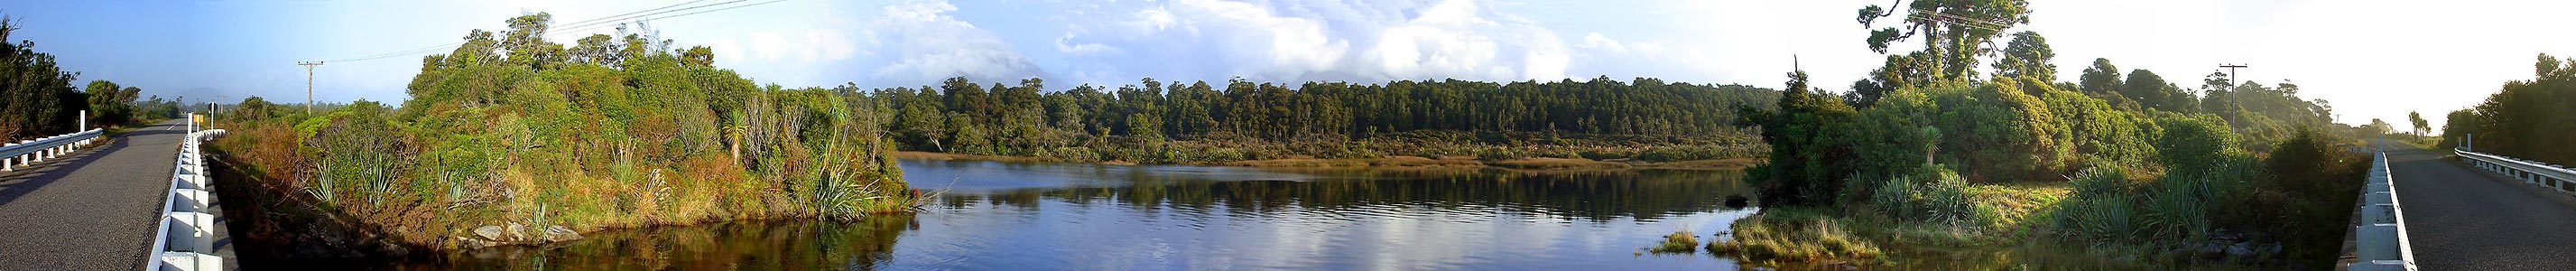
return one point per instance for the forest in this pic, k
(1153, 122)
(512, 138)
(2527, 119)
(2124, 164)
(37, 98)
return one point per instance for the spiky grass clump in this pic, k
(1681, 242)
(1794, 235)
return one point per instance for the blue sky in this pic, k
(2371, 58)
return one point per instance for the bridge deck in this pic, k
(2460, 218)
(92, 210)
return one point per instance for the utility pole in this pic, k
(308, 83)
(2235, 100)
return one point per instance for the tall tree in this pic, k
(526, 41)
(2028, 56)
(2152, 91)
(1954, 34)
(2377, 126)
(2102, 78)
(2420, 126)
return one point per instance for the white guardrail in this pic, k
(2552, 176)
(2380, 240)
(186, 240)
(37, 150)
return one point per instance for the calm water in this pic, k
(1018, 216)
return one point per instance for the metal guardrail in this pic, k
(2553, 176)
(32, 151)
(186, 237)
(2380, 240)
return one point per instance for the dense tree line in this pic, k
(37, 98)
(2528, 119)
(1026, 119)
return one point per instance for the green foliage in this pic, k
(36, 95)
(352, 147)
(1941, 197)
(2191, 143)
(2028, 56)
(110, 103)
(2421, 127)
(2307, 181)
(2102, 133)
(1951, 44)
(2457, 128)
(2000, 133)
(1808, 162)
(2103, 78)
(2161, 167)
(2528, 119)
(2152, 92)
(1897, 135)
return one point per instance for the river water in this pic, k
(1053, 216)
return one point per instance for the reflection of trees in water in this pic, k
(1592, 195)
(744, 245)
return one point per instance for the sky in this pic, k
(2368, 58)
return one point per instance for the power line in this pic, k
(578, 26)
(633, 13)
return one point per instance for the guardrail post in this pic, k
(186, 237)
(2380, 241)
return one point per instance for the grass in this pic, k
(1794, 234)
(1681, 242)
(2423, 142)
(2018, 202)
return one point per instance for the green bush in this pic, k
(2099, 210)
(1894, 197)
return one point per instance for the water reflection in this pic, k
(1598, 196)
(1198, 218)
(1019, 216)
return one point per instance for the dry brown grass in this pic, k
(1708, 164)
(1556, 163)
(920, 155)
(1389, 161)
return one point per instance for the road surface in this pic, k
(2460, 218)
(93, 210)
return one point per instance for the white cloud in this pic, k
(1315, 40)
(930, 46)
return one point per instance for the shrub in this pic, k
(2099, 211)
(1893, 196)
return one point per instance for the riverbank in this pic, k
(1394, 161)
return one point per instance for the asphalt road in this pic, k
(94, 210)
(2461, 218)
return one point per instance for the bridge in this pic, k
(107, 203)
(2462, 212)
